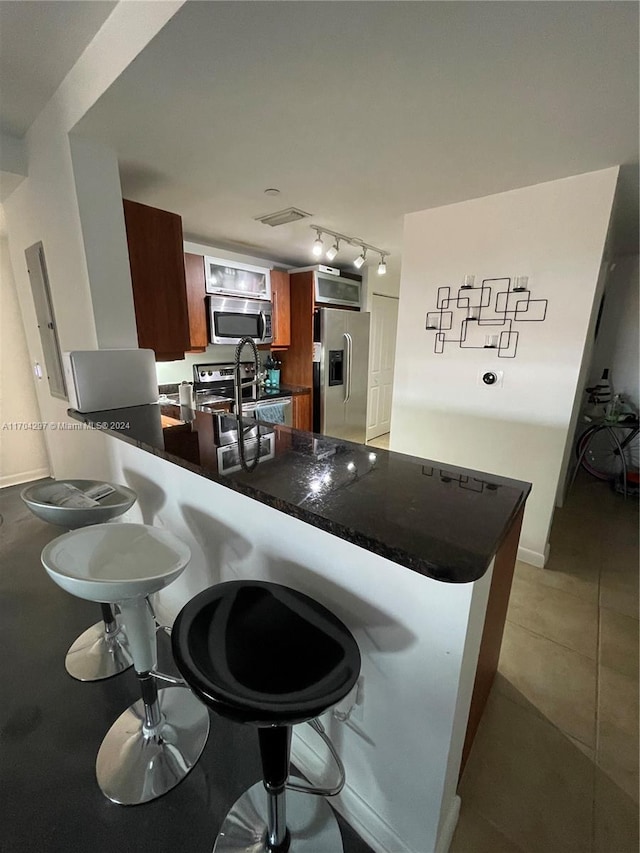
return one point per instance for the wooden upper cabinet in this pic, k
(297, 360)
(280, 297)
(156, 257)
(196, 302)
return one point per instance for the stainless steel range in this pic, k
(213, 386)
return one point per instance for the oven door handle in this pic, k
(263, 321)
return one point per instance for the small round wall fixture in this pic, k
(272, 191)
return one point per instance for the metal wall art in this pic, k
(512, 304)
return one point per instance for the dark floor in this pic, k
(51, 728)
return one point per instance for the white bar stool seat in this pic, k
(101, 651)
(155, 742)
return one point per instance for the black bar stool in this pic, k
(263, 654)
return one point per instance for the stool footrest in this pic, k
(316, 790)
(170, 679)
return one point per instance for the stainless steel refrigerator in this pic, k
(341, 373)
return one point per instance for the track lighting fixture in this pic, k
(359, 261)
(318, 245)
(332, 252)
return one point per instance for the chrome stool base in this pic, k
(134, 766)
(95, 656)
(310, 820)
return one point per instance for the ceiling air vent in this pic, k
(283, 217)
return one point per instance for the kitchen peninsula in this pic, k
(415, 556)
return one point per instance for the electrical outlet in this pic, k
(491, 378)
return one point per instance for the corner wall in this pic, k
(49, 206)
(23, 455)
(617, 344)
(553, 232)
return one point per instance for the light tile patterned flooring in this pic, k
(554, 767)
(381, 441)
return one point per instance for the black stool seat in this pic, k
(262, 653)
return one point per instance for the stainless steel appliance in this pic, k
(232, 318)
(341, 373)
(110, 378)
(259, 441)
(213, 384)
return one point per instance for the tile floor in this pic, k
(381, 441)
(554, 767)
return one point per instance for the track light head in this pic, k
(382, 267)
(332, 251)
(318, 246)
(359, 261)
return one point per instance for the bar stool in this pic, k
(155, 742)
(263, 654)
(100, 651)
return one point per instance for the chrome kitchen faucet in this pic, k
(237, 378)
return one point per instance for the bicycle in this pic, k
(604, 455)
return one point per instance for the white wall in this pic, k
(23, 455)
(13, 164)
(45, 207)
(617, 343)
(419, 640)
(99, 197)
(554, 233)
(385, 285)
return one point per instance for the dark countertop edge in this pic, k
(413, 562)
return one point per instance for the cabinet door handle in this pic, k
(274, 316)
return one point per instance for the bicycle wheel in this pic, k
(602, 458)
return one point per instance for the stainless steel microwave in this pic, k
(231, 319)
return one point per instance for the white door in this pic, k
(384, 321)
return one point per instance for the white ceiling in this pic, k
(39, 43)
(361, 112)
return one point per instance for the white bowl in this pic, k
(112, 506)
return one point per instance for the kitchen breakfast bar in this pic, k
(414, 556)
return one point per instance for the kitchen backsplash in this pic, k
(179, 371)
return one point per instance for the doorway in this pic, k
(384, 322)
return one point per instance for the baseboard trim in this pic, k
(533, 558)
(449, 826)
(373, 829)
(23, 477)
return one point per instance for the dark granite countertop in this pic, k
(443, 522)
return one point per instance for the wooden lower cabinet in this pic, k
(494, 620)
(301, 415)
